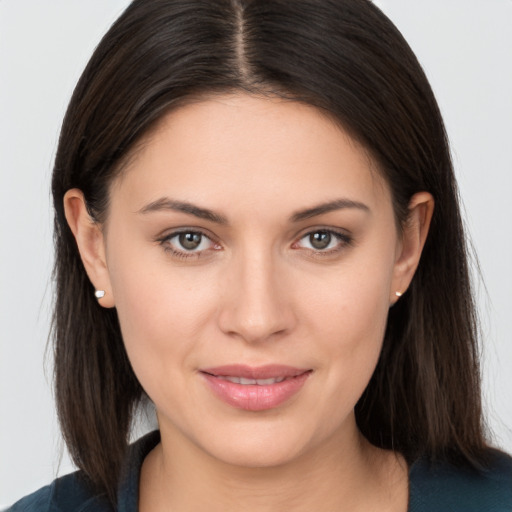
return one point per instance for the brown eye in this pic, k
(190, 241)
(187, 243)
(320, 240)
(191, 244)
(324, 241)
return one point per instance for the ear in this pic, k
(410, 246)
(91, 245)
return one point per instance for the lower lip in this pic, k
(252, 397)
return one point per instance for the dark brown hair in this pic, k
(344, 57)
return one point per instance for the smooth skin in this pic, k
(255, 231)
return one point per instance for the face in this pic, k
(252, 255)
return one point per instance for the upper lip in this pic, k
(255, 372)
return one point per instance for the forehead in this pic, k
(250, 147)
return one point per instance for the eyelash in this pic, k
(343, 239)
(165, 242)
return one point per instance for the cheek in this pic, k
(352, 302)
(161, 311)
(349, 315)
(354, 339)
(349, 333)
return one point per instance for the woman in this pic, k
(257, 226)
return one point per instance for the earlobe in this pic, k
(90, 241)
(414, 235)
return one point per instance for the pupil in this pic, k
(190, 240)
(320, 239)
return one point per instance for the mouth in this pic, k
(253, 382)
(255, 388)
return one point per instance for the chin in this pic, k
(260, 444)
(256, 455)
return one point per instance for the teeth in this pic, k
(253, 382)
(267, 382)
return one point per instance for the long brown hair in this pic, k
(344, 57)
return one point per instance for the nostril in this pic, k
(253, 326)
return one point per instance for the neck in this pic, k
(348, 474)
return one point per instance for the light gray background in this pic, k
(465, 47)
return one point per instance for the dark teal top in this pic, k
(432, 487)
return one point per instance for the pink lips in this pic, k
(255, 388)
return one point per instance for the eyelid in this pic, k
(164, 238)
(345, 239)
(171, 232)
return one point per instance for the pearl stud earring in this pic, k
(398, 294)
(99, 294)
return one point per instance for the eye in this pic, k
(323, 240)
(187, 243)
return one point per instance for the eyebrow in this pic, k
(338, 204)
(165, 203)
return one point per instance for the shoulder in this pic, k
(458, 489)
(69, 493)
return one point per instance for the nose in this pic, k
(256, 303)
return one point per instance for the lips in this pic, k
(255, 388)
(258, 382)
